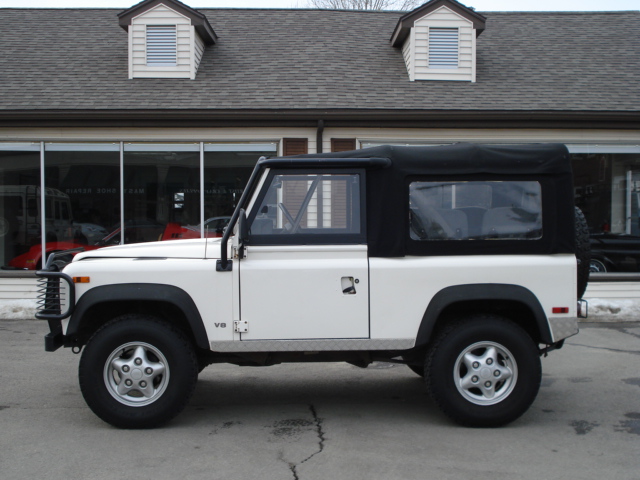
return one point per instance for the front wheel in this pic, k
(137, 372)
(483, 371)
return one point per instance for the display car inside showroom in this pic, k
(144, 124)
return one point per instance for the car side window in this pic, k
(314, 207)
(475, 210)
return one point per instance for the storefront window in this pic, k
(162, 197)
(83, 194)
(607, 189)
(161, 191)
(20, 214)
(227, 168)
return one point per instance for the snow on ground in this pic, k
(613, 309)
(17, 309)
(606, 310)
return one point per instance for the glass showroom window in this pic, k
(83, 194)
(20, 216)
(607, 186)
(161, 192)
(227, 168)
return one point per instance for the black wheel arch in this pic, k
(101, 304)
(512, 301)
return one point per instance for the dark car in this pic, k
(611, 252)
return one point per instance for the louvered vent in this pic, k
(161, 46)
(443, 48)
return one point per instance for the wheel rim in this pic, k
(4, 226)
(136, 374)
(596, 266)
(485, 373)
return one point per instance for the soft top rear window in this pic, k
(482, 210)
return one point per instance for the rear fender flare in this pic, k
(481, 292)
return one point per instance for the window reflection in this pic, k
(225, 175)
(83, 194)
(19, 202)
(607, 187)
(161, 190)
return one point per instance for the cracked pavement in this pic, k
(325, 421)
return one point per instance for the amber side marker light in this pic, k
(560, 310)
(81, 279)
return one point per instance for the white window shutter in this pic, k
(443, 48)
(161, 46)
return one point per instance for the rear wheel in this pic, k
(483, 371)
(137, 372)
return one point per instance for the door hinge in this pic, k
(241, 326)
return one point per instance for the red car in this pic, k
(135, 233)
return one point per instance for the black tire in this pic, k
(414, 366)
(458, 390)
(417, 369)
(6, 226)
(583, 251)
(167, 363)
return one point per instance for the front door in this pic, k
(305, 273)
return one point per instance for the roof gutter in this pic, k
(373, 118)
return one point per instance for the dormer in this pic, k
(438, 41)
(166, 39)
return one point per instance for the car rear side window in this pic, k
(481, 210)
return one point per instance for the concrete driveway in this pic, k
(325, 421)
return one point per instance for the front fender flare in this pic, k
(482, 292)
(140, 292)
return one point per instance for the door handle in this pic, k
(349, 285)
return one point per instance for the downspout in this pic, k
(319, 138)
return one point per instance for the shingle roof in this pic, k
(76, 59)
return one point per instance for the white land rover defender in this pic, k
(461, 261)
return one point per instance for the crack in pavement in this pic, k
(320, 432)
(626, 330)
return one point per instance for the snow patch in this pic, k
(18, 309)
(613, 309)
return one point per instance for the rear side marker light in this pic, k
(81, 279)
(560, 310)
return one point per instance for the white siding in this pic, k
(377, 135)
(613, 290)
(407, 54)
(13, 288)
(416, 48)
(199, 50)
(161, 15)
(436, 136)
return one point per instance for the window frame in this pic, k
(310, 238)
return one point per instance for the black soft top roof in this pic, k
(462, 159)
(390, 169)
